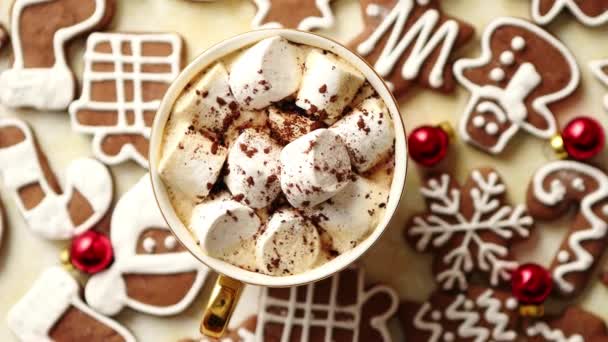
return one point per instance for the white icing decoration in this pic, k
(170, 242)
(43, 88)
(578, 184)
(573, 7)
(605, 210)
(511, 99)
(436, 315)
(491, 128)
(511, 303)
(507, 58)
(490, 216)
(551, 335)
(448, 336)
(597, 68)
(149, 244)
(563, 257)
(138, 77)
(423, 2)
(479, 121)
(518, 43)
(375, 10)
(136, 212)
(581, 260)
(420, 37)
(326, 20)
(332, 308)
(54, 292)
(19, 166)
(497, 74)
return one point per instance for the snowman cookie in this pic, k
(522, 72)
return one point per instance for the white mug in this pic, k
(225, 295)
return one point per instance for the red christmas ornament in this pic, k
(428, 145)
(91, 252)
(583, 138)
(531, 284)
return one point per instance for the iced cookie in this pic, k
(469, 227)
(152, 272)
(588, 12)
(573, 325)
(125, 76)
(40, 76)
(53, 311)
(523, 70)
(557, 187)
(49, 211)
(310, 14)
(410, 41)
(600, 70)
(339, 308)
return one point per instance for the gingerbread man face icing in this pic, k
(477, 315)
(469, 227)
(600, 70)
(152, 272)
(49, 211)
(522, 70)
(339, 308)
(125, 77)
(310, 14)
(40, 30)
(555, 188)
(410, 41)
(53, 311)
(588, 12)
(573, 325)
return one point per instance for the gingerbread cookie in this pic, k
(469, 227)
(573, 325)
(600, 70)
(40, 76)
(49, 212)
(152, 272)
(53, 311)
(555, 188)
(125, 76)
(410, 41)
(522, 70)
(588, 12)
(310, 14)
(339, 308)
(478, 315)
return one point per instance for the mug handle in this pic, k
(222, 302)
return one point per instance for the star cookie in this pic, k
(588, 12)
(309, 14)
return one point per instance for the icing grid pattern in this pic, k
(137, 76)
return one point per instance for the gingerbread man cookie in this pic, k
(410, 41)
(339, 308)
(588, 12)
(600, 70)
(573, 325)
(152, 272)
(125, 77)
(40, 76)
(53, 311)
(522, 70)
(469, 227)
(310, 14)
(477, 315)
(49, 212)
(554, 189)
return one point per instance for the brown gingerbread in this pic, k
(573, 325)
(588, 12)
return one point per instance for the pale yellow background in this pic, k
(391, 261)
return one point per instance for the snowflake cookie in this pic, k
(555, 188)
(469, 227)
(478, 315)
(588, 12)
(600, 70)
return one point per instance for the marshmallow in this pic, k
(366, 91)
(207, 102)
(314, 167)
(267, 72)
(289, 245)
(191, 162)
(287, 126)
(368, 133)
(328, 86)
(254, 169)
(226, 230)
(352, 214)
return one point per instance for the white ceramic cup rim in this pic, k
(205, 60)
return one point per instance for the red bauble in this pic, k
(531, 284)
(583, 138)
(428, 145)
(91, 252)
